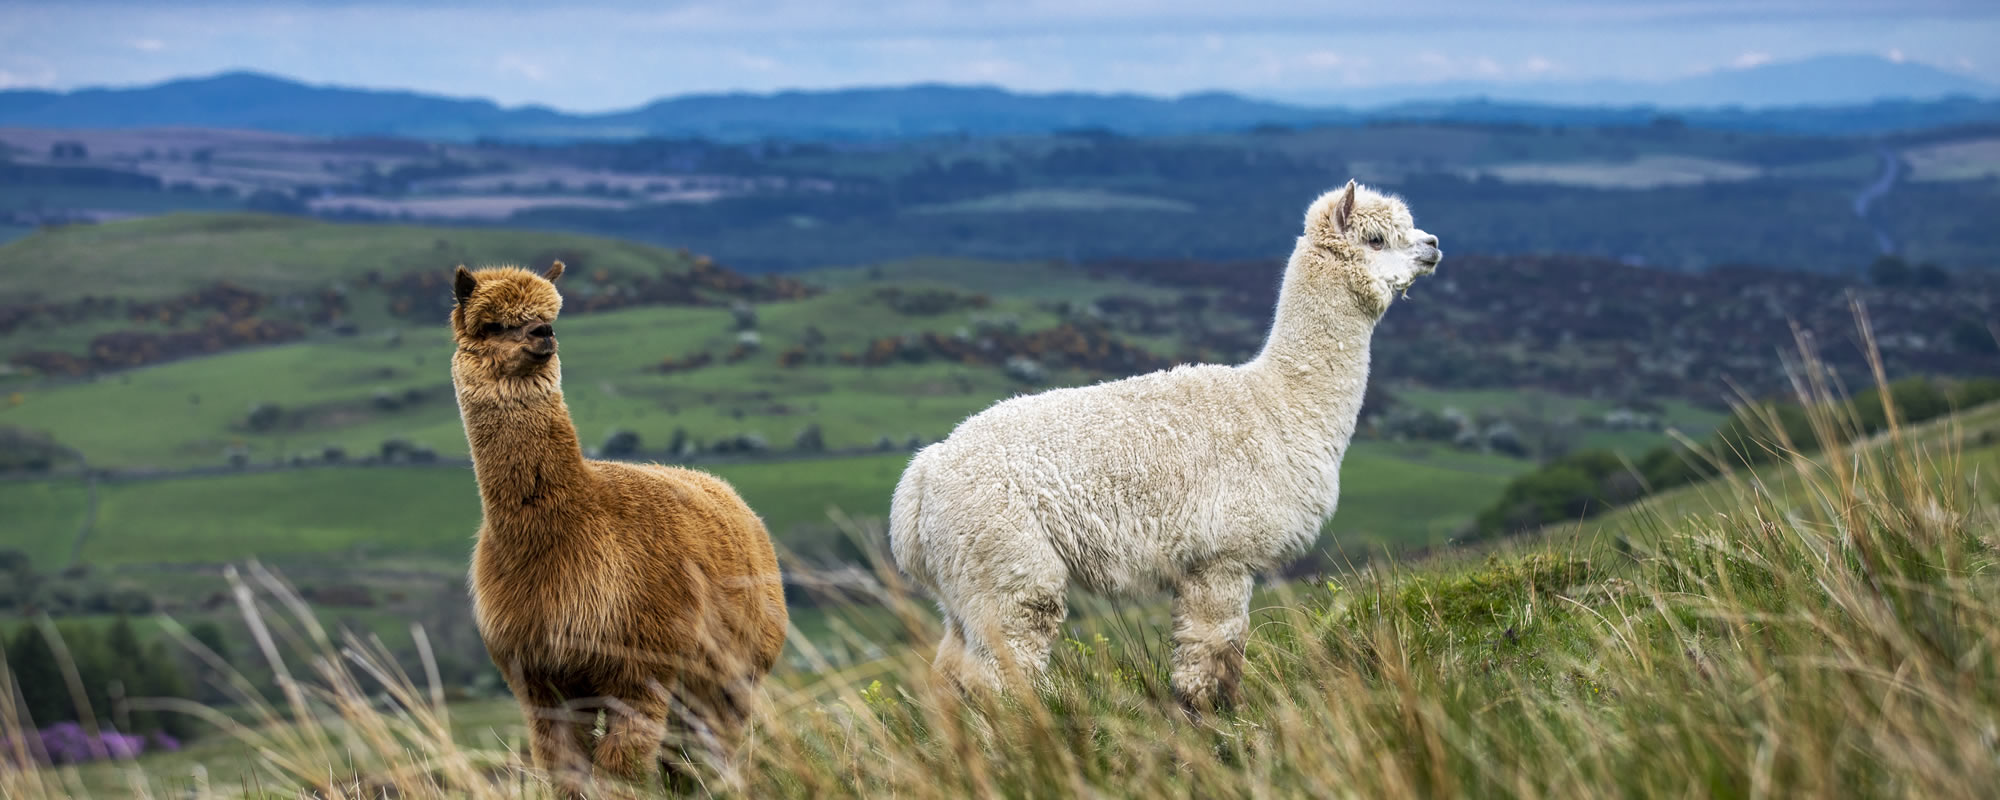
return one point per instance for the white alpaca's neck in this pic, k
(1317, 354)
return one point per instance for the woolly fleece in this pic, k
(650, 592)
(1193, 478)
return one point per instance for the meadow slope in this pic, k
(1838, 638)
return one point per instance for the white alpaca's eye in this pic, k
(1375, 241)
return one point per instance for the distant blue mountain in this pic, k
(255, 101)
(1835, 80)
(931, 109)
(1916, 96)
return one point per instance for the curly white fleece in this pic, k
(1193, 478)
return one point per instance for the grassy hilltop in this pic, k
(1828, 628)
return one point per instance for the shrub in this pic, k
(620, 444)
(1972, 392)
(28, 451)
(743, 315)
(809, 439)
(264, 417)
(1026, 370)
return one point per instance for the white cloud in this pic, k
(522, 67)
(988, 69)
(753, 61)
(148, 45)
(1895, 54)
(1754, 58)
(1324, 59)
(1537, 65)
(41, 78)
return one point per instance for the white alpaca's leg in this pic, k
(950, 663)
(1211, 622)
(1009, 633)
(1031, 632)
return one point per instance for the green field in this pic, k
(1967, 442)
(1392, 495)
(1757, 645)
(196, 409)
(158, 256)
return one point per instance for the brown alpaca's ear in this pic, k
(462, 284)
(555, 271)
(1343, 209)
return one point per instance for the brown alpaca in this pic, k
(651, 592)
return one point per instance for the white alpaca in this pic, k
(1192, 479)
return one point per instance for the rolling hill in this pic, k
(1759, 640)
(1829, 80)
(1836, 94)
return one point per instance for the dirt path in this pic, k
(1892, 169)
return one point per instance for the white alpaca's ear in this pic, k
(1343, 209)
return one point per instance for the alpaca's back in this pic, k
(1128, 482)
(703, 549)
(659, 561)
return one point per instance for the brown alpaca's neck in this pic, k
(524, 450)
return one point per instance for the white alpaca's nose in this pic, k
(1428, 253)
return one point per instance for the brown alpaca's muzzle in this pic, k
(540, 341)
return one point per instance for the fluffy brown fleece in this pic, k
(650, 592)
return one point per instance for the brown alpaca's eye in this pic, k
(492, 328)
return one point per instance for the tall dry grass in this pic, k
(1831, 629)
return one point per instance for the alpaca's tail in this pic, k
(906, 538)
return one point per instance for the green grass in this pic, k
(165, 255)
(358, 514)
(197, 409)
(1391, 496)
(1834, 638)
(1689, 418)
(1539, 404)
(1971, 437)
(1398, 495)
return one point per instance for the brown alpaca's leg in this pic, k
(1211, 622)
(709, 720)
(559, 739)
(635, 723)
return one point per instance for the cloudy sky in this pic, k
(619, 54)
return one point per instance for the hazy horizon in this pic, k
(618, 55)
